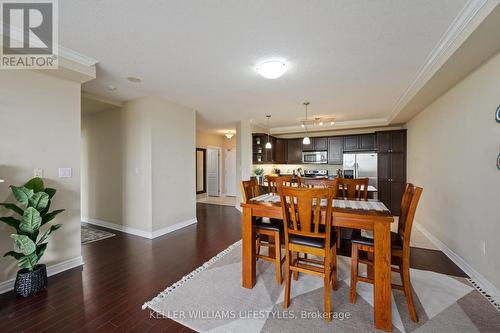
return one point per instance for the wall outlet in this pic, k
(65, 172)
(38, 172)
(483, 247)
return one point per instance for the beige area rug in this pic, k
(211, 299)
(90, 235)
(222, 201)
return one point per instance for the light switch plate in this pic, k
(38, 172)
(65, 172)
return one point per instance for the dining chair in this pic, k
(272, 229)
(356, 189)
(303, 215)
(318, 182)
(400, 248)
(274, 181)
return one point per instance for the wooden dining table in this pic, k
(369, 219)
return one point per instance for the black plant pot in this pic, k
(31, 282)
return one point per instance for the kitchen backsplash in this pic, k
(288, 168)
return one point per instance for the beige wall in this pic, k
(205, 140)
(101, 165)
(452, 149)
(40, 128)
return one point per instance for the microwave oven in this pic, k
(315, 157)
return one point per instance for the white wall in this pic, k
(243, 155)
(452, 149)
(101, 165)
(40, 128)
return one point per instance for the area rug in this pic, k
(90, 234)
(211, 299)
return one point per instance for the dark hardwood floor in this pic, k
(122, 272)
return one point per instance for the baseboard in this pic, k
(8, 285)
(238, 207)
(117, 227)
(172, 228)
(137, 232)
(486, 285)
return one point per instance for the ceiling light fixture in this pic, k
(134, 79)
(229, 135)
(306, 140)
(271, 69)
(268, 144)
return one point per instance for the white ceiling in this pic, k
(353, 60)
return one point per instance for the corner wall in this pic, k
(40, 128)
(452, 149)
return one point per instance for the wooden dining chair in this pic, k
(318, 183)
(353, 189)
(274, 181)
(305, 234)
(400, 249)
(271, 229)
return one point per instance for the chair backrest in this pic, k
(409, 203)
(273, 182)
(302, 211)
(319, 183)
(249, 189)
(353, 188)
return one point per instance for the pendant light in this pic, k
(268, 144)
(306, 140)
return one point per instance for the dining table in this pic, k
(369, 215)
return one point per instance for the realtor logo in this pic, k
(29, 34)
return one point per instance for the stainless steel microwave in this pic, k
(315, 157)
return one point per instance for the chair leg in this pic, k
(288, 273)
(405, 279)
(354, 272)
(337, 230)
(328, 308)
(295, 255)
(257, 245)
(277, 248)
(334, 267)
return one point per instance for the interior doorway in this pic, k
(213, 174)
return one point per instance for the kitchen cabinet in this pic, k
(335, 150)
(258, 149)
(294, 151)
(320, 144)
(391, 167)
(280, 151)
(362, 142)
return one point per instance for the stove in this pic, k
(315, 173)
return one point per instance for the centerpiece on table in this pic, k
(31, 213)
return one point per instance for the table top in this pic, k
(357, 207)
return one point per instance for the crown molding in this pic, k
(77, 57)
(441, 52)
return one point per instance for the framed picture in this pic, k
(497, 114)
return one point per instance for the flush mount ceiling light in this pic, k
(229, 135)
(134, 79)
(268, 143)
(271, 69)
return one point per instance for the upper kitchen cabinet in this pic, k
(391, 141)
(335, 150)
(294, 151)
(258, 149)
(316, 144)
(280, 151)
(362, 142)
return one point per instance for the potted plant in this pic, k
(30, 215)
(259, 173)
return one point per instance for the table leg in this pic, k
(248, 249)
(382, 294)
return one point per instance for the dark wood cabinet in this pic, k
(280, 151)
(335, 150)
(360, 142)
(320, 143)
(309, 147)
(258, 149)
(391, 146)
(294, 151)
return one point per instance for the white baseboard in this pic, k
(238, 207)
(460, 262)
(171, 228)
(51, 270)
(138, 232)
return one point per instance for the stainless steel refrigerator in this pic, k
(361, 165)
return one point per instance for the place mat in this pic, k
(350, 204)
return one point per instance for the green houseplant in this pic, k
(30, 214)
